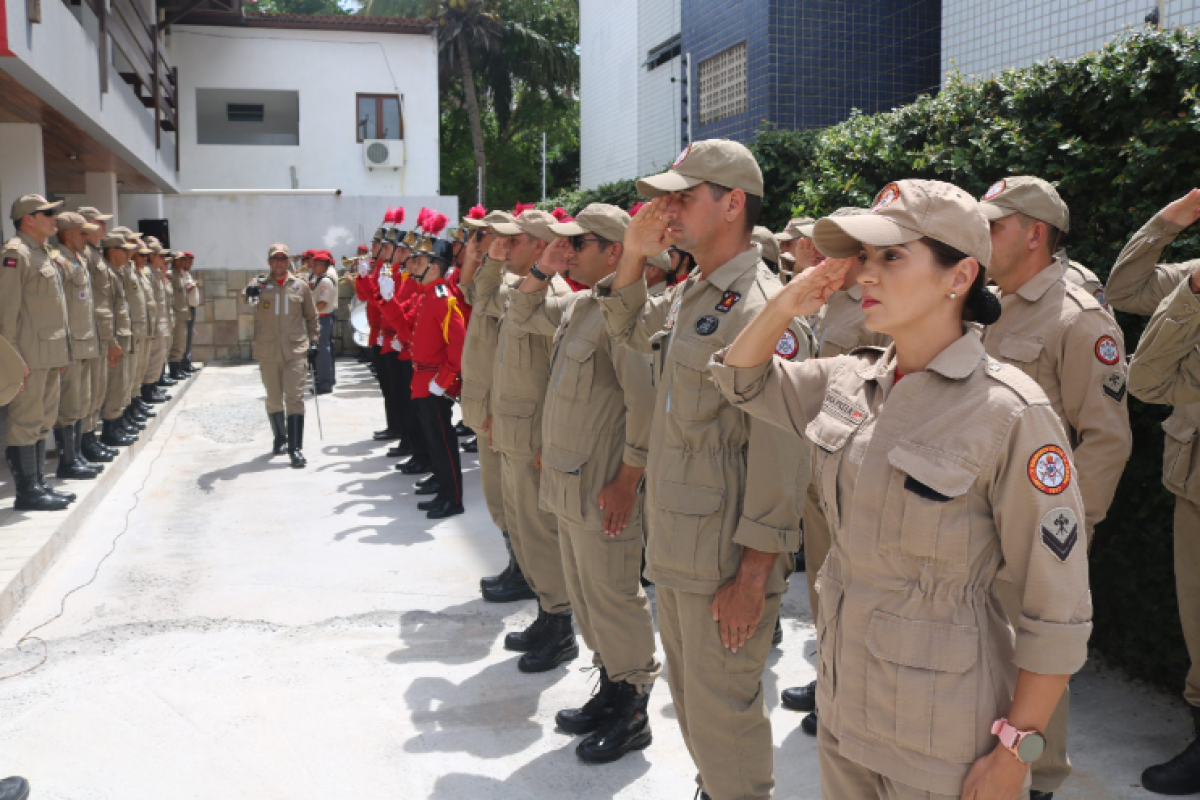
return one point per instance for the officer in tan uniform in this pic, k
(87, 440)
(141, 302)
(1061, 336)
(192, 289)
(768, 247)
(33, 318)
(596, 431)
(796, 241)
(721, 546)
(116, 252)
(155, 352)
(160, 263)
(285, 330)
(325, 296)
(1163, 371)
(180, 313)
(939, 468)
(522, 372)
(478, 368)
(75, 402)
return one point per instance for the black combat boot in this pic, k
(555, 645)
(150, 394)
(595, 711)
(777, 637)
(441, 509)
(14, 788)
(414, 465)
(81, 457)
(143, 408)
(800, 698)
(22, 462)
(427, 485)
(511, 589)
(130, 422)
(496, 580)
(93, 450)
(70, 468)
(462, 430)
(385, 435)
(524, 641)
(176, 372)
(627, 728)
(1034, 794)
(809, 723)
(1180, 775)
(279, 428)
(165, 380)
(40, 463)
(113, 435)
(400, 451)
(295, 436)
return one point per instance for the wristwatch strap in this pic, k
(537, 273)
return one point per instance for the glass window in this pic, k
(379, 117)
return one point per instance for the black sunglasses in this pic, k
(49, 212)
(578, 242)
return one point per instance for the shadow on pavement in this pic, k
(457, 635)
(266, 461)
(553, 774)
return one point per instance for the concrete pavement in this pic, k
(263, 632)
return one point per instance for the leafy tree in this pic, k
(318, 7)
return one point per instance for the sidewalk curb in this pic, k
(42, 537)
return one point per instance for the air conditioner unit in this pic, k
(383, 153)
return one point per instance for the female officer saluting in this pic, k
(938, 467)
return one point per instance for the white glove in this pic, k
(380, 341)
(363, 269)
(434, 389)
(387, 288)
(396, 344)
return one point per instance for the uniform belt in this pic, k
(426, 367)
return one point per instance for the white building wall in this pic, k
(659, 89)
(328, 69)
(982, 37)
(609, 66)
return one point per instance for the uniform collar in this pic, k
(1039, 284)
(727, 274)
(955, 363)
(29, 240)
(855, 291)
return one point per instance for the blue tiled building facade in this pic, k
(809, 62)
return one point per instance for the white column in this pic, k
(134, 207)
(100, 191)
(22, 166)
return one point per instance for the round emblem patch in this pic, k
(889, 195)
(681, 157)
(787, 346)
(1049, 469)
(1107, 350)
(706, 325)
(993, 190)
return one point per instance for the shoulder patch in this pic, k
(10, 261)
(1060, 531)
(1107, 350)
(1023, 385)
(1050, 469)
(788, 346)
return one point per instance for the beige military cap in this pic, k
(1027, 195)
(662, 261)
(12, 372)
(494, 216)
(607, 222)
(31, 204)
(117, 241)
(796, 229)
(278, 250)
(122, 230)
(768, 245)
(70, 221)
(93, 214)
(720, 161)
(904, 212)
(534, 222)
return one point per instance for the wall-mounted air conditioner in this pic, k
(383, 153)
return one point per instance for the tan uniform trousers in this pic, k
(136, 375)
(32, 413)
(843, 779)
(75, 400)
(1054, 766)
(178, 337)
(116, 394)
(284, 381)
(489, 476)
(156, 358)
(1187, 586)
(604, 584)
(99, 389)
(816, 543)
(718, 695)
(533, 533)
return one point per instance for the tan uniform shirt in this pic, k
(146, 278)
(965, 471)
(103, 299)
(165, 296)
(179, 303)
(479, 351)
(1059, 335)
(135, 296)
(81, 311)
(122, 325)
(285, 320)
(599, 404)
(700, 506)
(193, 290)
(1083, 277)
(522, 366)
(1137, 285)
(325, 291)
(33, 310)
(840, 325)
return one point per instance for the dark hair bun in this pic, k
(982, 306)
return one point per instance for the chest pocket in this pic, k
(693, 395)
(830, 436)
(1179, 450)
(47, 280)
(576, 370)
(517, 349)
(838, 341)
(1022, 352)
(925, 514)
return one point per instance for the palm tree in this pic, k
(499, 42)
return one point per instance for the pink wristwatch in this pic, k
(1027, 746)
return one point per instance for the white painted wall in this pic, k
(608, 130)
(659, 140)
(327, 68)
(22, 168)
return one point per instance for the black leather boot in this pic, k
(800, 698)
(413, 465)
(177, 374)
(1180, 775)
(14, 788)
(627, 728)
(809, 723)
(22, 462)
(149, 395)
(279, 428)
(113, 435)
(555, 645)
(143, 408)
(470, 445)
(92, 450)
(94, 436)
(443, 509)
(385, 435)
(777, 637)
(595, 711)
(514, 588)
(399, 451)
(462, 430)
(81, 457)
(165, 380)
(523, 641)
(295, 436)
(426, 486)
(130, 424)
(69, 466)
(496, 580)
(39, 450)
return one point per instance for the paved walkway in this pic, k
(263, 632)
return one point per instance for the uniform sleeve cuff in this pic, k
(1051, 648)
(626, 300)
(738, 384)
(764, 538)
(634, 456)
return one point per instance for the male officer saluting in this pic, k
(285, 329)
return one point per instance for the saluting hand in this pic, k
(805, 293)
(807, 254)
(1185, 210)
(554, 258)
(498, 249)
(648, 234)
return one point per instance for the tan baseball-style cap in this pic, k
(1027, 195)
(116, 241)
(31, 204)
(845, 211)
(795, 229)
(476, 224)
(12, 372)
(278, 250)
(904, 212)
(768, 245)
(93, 214)
(122, 230)
(70, 221)
(607, 222)
(720, 161)
(534, 222)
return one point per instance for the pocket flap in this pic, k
(1021, 348)
(828, 433)
(1179, 428)
(922, 644)
(516, 406)
(691, 353)
(580, 349)
(474, 391)
(841, 338)
(562, 460)
(696, 501)
(50, 335)
(942, 472)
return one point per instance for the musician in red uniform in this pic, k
(366, 287)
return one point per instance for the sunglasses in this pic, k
(579, 242)
(479, 234)
(49, 212)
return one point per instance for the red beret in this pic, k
(323, 255)
(362, 248)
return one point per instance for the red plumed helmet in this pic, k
(423, 217)
(435, 223)
(559, 214)
(636, 208)
(387, 215)
(478, 212)
(398, 215)
(522, 208)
